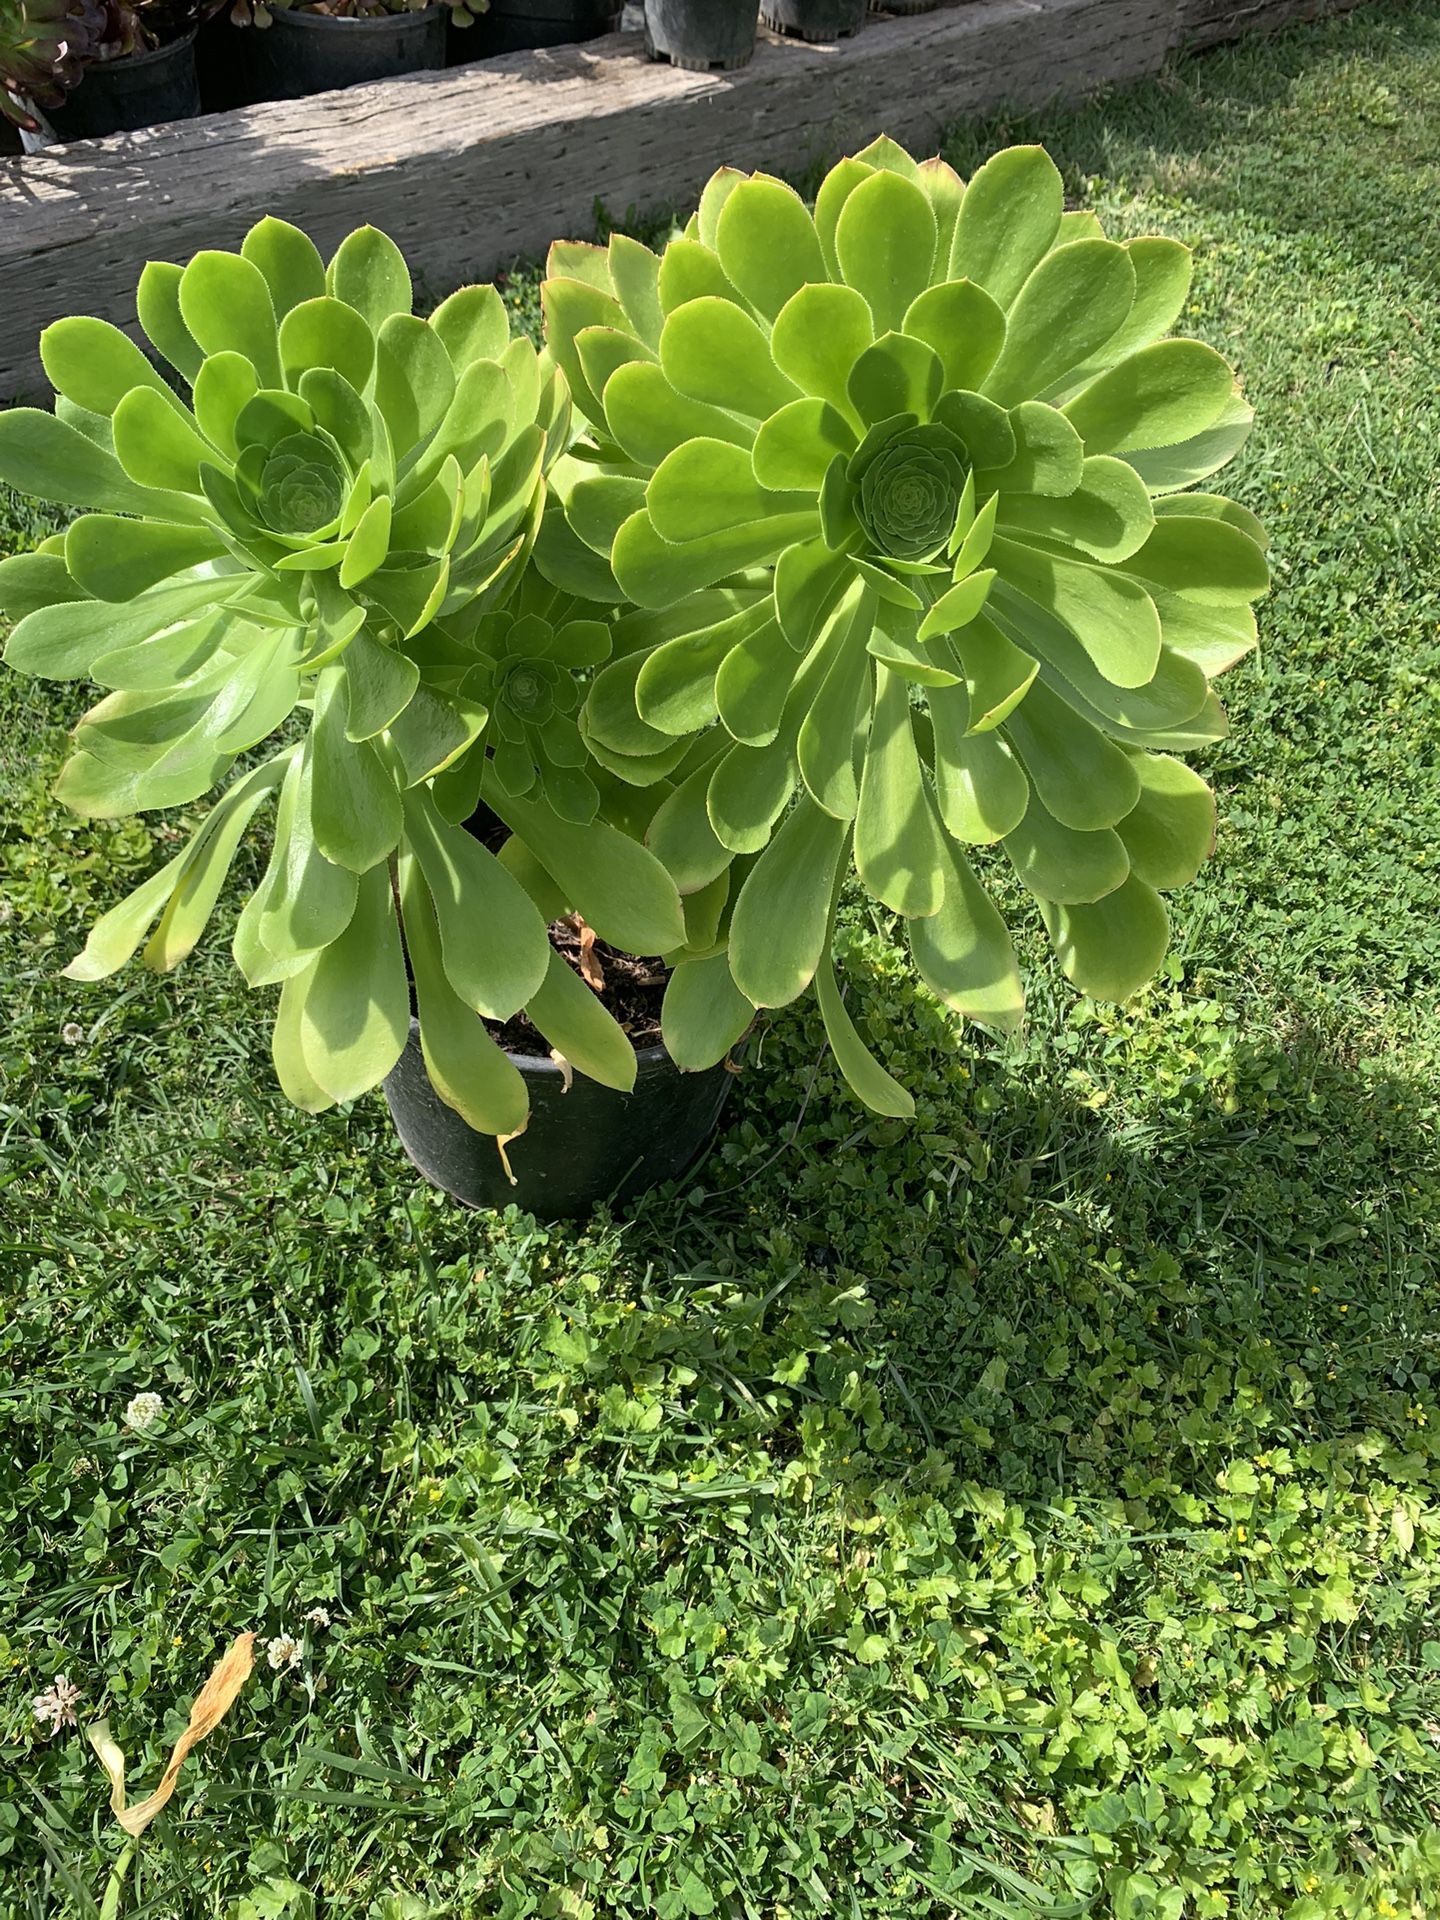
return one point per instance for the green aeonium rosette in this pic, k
(530, 656)
(909, 488)
(317, 529)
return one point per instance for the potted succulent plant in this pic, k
(910, 493)
(889, 551)
(44, 45)
(300, 47)
(703, 36)
(335, 524)
(81, 69)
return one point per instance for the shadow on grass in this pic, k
(1105, 1263)
(1060, 1239)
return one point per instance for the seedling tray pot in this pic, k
(814, 19)
(580, 1147)
(703, 36)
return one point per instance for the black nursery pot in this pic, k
(705, 36)
(814, 19)
(119, 96)
(509, 26)
(580, 1147)
(304, 53)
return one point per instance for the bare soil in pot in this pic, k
(631, 989)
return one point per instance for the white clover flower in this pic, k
(72, 1033)
(317, 1617)
(143, 1411)
(6, 912)
(57, 1704)
(283, 1651)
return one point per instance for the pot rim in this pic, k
(150, 57)
(127, 63)
(330, 22)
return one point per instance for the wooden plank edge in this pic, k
(471, 168)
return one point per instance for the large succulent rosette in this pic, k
(321, 525)
(907, 490)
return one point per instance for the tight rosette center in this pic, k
(301, 485)
(910, 491)
(529, 690)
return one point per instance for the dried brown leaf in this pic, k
(502, 1141)
(567, 1072)
(591, 972)
(212, 1703)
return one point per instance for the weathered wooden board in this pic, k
(1206, 22)
(470, 168)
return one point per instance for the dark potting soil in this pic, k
(630, 988)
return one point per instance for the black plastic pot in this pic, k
(509, 26)
(118, 96)
(903, 6)
(704, 36)
(304, 53)
(581, 1147)
(814, 19)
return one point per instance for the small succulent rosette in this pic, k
(535, 655)
(908, 492)
(344, 490)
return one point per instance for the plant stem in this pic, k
(110, 1905)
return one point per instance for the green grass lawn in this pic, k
(1032, 1511)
